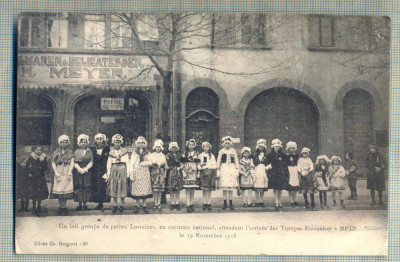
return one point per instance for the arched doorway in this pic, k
(131, 118)
(282, 113)
(202, 121)
(358, 108)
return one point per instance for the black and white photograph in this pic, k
(201, 133)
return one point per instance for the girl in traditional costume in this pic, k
(228, 165)
(189, 160)
(157, 172)
(175, 179)
(246, 173)
(117, 169)
(207, 168)
(260, 173)
(294, 180)
(140, 176)
(83, 162)
(62, 162)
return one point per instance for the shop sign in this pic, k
(112, 103)
(106, 70)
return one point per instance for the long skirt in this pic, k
(228, 176)
(117, 183)
(157, 175)
(82, 184)
(294, 182)
(63, 189)
(175, 180)
(207, 179)
(190, 181)
(260, 178)
(140, 187)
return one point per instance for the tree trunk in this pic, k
(165, 107)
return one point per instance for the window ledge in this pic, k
(245, 47)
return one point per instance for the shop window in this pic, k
(95, 27)
(34, 120)
(236, 30)
(57, 31)
(321, 31)
(30, 31)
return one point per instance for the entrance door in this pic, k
(202, 126)
(202, 121)
(358, 106)
(282, 113)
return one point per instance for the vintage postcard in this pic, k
(202, 133)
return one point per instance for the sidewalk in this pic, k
(363, 203)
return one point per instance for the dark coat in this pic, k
(376, 180)
(292, 159)
(99, 168)
(278, 175)
(37, 180)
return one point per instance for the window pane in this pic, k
(225, 30)
(260, 28)
(326, 31)
(120, 35)
(247, 36)
(24, 32)
(147, 28)
(35, 35)
(94, 34)
(314, 31)
(58, 32)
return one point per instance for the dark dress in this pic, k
(37, 180)
(278, 175)
(174, 176)
(376, 180)
(82, 181)
(98, 184)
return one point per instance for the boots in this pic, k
(231, 205)
(334, 203)
(225, 205)
(342, 203)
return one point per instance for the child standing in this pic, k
(100, 151)
(228, 165)
(175, 179)
(140, 175)
(337, 176)
(62, 164)
(294, 181)
(157, 172)
(351, 172)
(36, 165)
(278, 176)
(190, 159)
(260, 174)
(117, 169)
(207, 168)
(246, 175)
(305, 167)
(83, 162)
(322, 178)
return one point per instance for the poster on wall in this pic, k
(248, 134)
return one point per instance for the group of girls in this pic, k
(100, 173)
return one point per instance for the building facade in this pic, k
(322, 81)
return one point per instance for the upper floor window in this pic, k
(30, 30)
(120, 33)
(321, 31)
(147, 27)
(57, 31)
(95, 28)
(230, 30)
